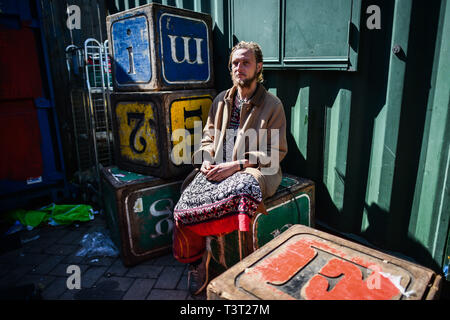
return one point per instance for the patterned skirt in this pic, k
(210, 207)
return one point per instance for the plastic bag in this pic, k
(27, 218)
(97, 244)
(52, 214)
(66, 214)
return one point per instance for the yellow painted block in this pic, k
(186, 113)
(137, 128)
(156, 132)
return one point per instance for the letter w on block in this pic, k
(198, 46)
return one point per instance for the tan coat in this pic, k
(263, 111)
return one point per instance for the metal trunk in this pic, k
(139, 213)
(307, 264)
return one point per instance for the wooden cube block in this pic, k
(293, 203)
(143, 127)
(308, 264)
(139, 213)
(156, 47)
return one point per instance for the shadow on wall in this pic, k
(368, 89)
(378, 220)
(221, 53)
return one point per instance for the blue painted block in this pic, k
(132, 56)
(184, 44)
(157, 47)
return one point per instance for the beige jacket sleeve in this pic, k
(272, 146)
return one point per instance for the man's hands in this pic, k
(219, 172)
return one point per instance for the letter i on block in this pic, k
(156, 47)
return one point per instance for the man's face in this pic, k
(244, 68)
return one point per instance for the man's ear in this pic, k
(259, 66)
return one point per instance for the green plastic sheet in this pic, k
(53, 214)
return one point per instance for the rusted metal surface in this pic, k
(139, 213)
(144, 124)
(308, 264)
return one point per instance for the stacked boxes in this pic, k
(162, 78)
(158, 47)
(162, 75)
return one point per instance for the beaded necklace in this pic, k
(241, 101)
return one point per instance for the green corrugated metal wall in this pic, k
(375, 141)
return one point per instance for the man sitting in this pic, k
(243, 142)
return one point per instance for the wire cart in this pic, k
(90, 85)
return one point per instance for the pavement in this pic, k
(42, 263)
(36, 267)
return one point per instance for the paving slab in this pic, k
(169, 277)
(161, 294)
(43, 262)
(140, 289)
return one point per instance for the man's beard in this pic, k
(245, 83)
